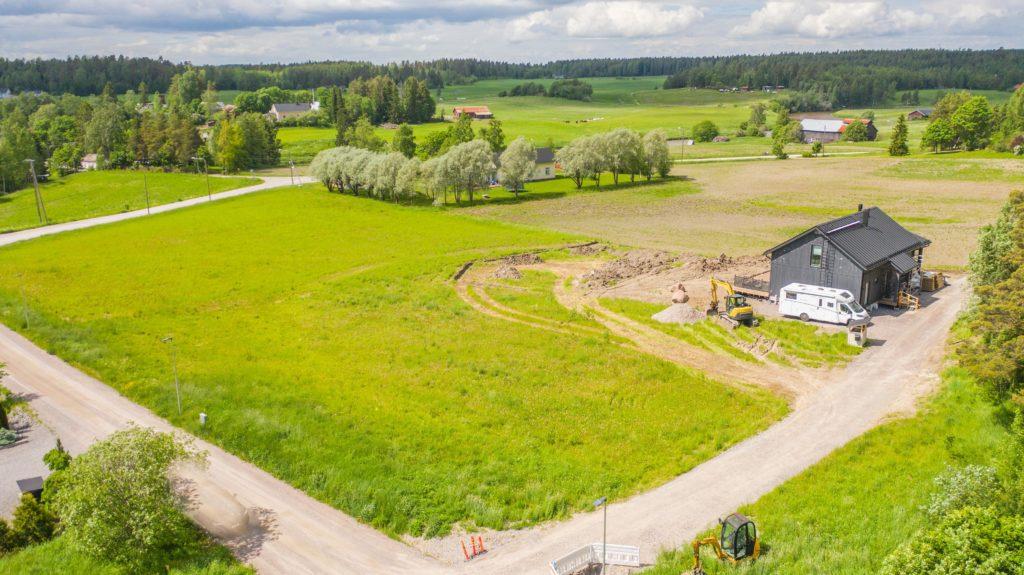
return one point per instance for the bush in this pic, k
(971, 486)
(705, 131)
(817, 148)
(57, 459)
(7, 436)
(855, 131)
(33, 523)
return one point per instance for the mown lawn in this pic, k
(322, 336)
(847, 513)
(102, 192)
(195, 558)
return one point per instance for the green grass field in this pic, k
(299, 318)
(637, 103)
(196, 558)
(98, 193)
(845, 514)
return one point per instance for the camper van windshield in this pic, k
(855, 307)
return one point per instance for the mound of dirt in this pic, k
(507, 272)
(522, 259)
(634, 263)
(680, 313)
(587, 249)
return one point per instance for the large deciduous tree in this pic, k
(518, 162)
(116, 501)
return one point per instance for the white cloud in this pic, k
(832, 19)
(629, 19)
(606, 19)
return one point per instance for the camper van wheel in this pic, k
(804, 317)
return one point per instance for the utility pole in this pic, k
(291, 165)
(40, 207)
(603, 502)
(174, 366)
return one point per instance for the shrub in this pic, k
(7, 436)
(705, 131)
(33, 523)
(971, 486)
(855, 131)
(817, 148)
(57, 459)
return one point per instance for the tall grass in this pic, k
(322, 336)
(845, 514)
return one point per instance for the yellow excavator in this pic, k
(737, 311)
(736, 542)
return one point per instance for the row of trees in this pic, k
(621, 151)
(977, 513)
(384, 175)
(847, 77)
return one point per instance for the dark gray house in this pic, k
(866, 253)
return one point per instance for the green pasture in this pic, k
(324, 339)
(844, 515)
(102, 192)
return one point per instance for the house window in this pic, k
(547, 171)
(816, 256)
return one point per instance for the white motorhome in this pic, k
(819, 303)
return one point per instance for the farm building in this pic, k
(286, 110)
(826, 131)
(475, 112)
(545, 168)
(89, 162)
(866, 253)
(920, 114)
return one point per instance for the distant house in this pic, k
(288, 110)
(1018, 86)
(475, 112)
(89, 162)
(4, 94)
(866, 253)
(920, 114)
(545, 168)
(826, 131)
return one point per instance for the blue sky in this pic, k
(250, 31)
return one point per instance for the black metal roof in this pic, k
(867, 237)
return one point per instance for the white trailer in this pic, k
(819, 303)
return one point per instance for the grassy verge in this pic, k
(322, 336)
(199, 557)
(845, 514)
(98, 193)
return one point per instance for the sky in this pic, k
(255, 31)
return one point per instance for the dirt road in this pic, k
(31, 233)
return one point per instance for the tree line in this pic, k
(860, 77)
(961, 120)
(845, 77)
(571, 89)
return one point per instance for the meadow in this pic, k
(744, 208)
(322, 336)
(844, 515)
(99, 193)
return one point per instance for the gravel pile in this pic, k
(680, 313)
(522, 259)
(507, 272)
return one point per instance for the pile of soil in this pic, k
(680, 313)
(507, 272)
(634, 263)
(522, 259)
(587, 249)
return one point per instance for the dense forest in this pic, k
(848, 78)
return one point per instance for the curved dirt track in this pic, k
(288, 532)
